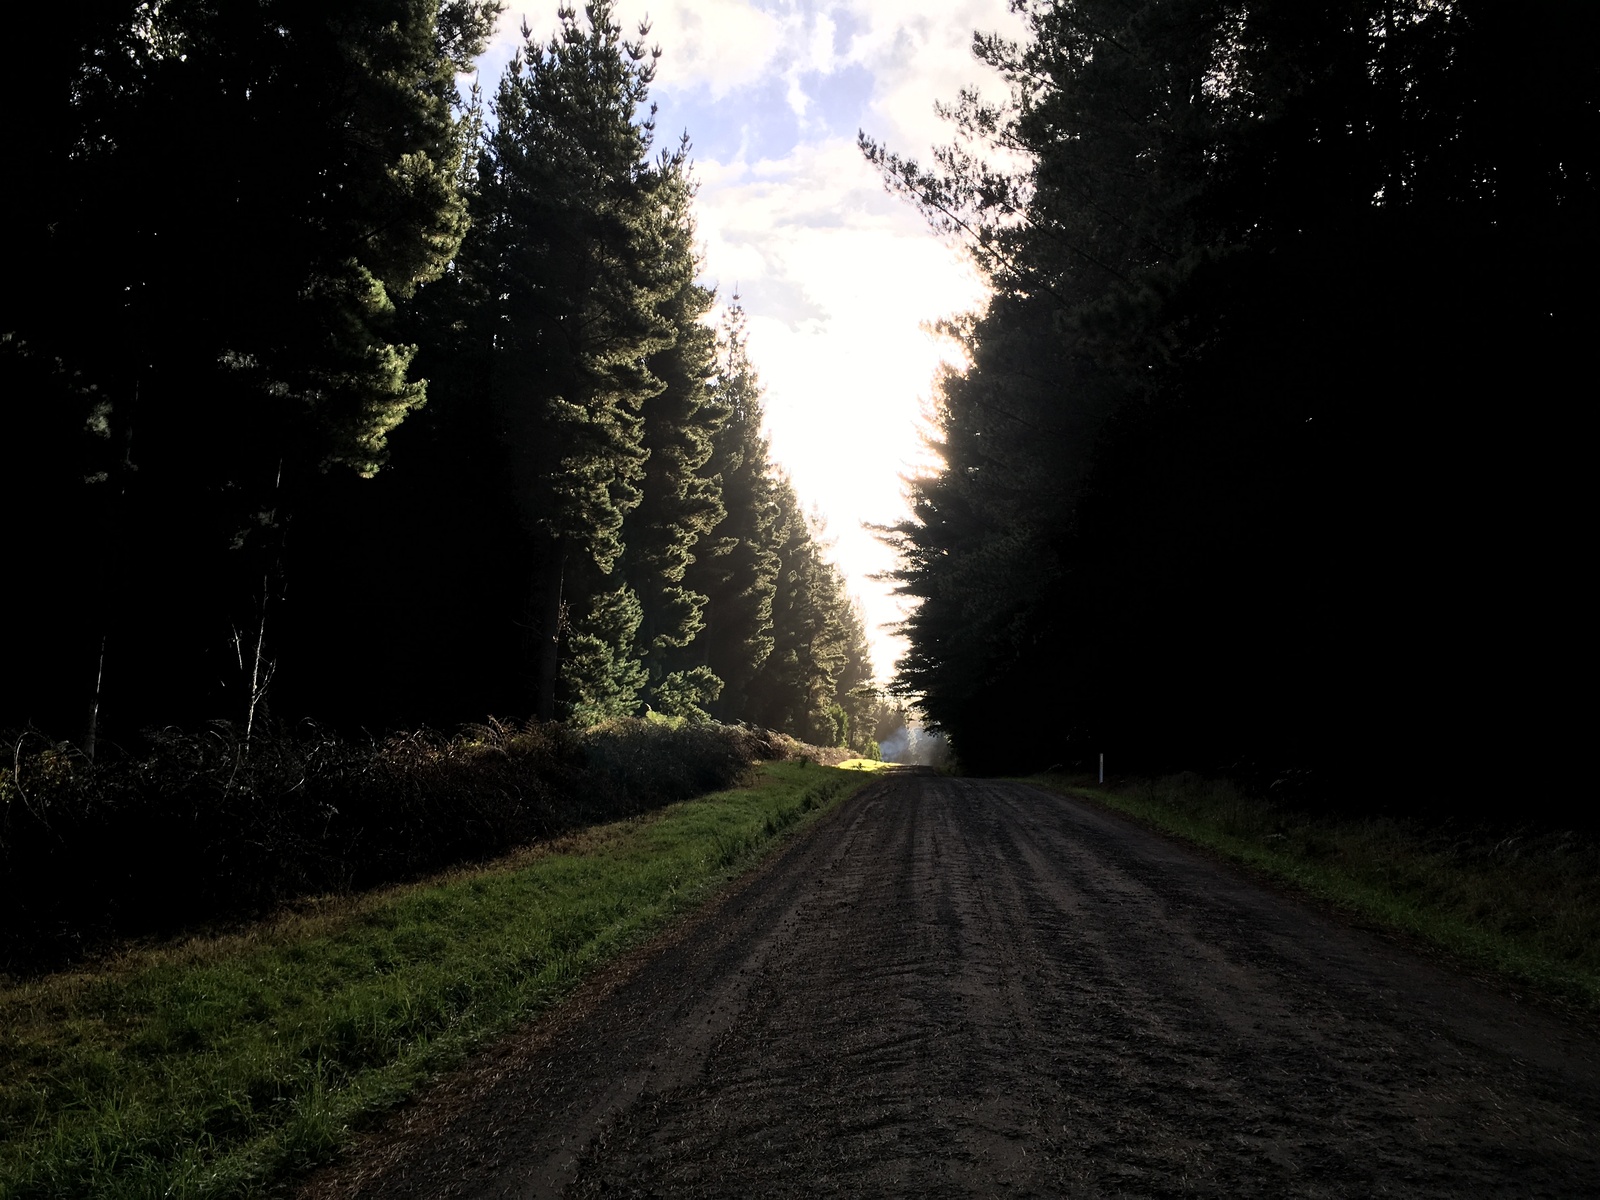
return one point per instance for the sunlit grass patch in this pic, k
(867, 764)
(211, 1066)
(1524, 905)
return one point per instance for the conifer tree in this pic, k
(682, 501)
(570, 250)
(1257, 259)
(855, 697)
(796, 689)
(244, 301)
(735, 566)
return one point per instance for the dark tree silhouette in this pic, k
(1225, 481)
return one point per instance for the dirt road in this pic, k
(961, 988)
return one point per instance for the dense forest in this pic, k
(332, 392)
(1266, 456)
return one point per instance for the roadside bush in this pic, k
(196, 827)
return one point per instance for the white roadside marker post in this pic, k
(1102, 768)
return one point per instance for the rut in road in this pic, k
(958, 987)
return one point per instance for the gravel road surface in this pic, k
(970, 988)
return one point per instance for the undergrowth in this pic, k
(215, 1066)
(199, 827)
(1523, 902)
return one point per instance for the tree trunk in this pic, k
(551, 620)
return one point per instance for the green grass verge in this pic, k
(216, 1066)
(1525, 907)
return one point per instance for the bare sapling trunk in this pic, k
(261, 668)
(110, 569)
(92, 733)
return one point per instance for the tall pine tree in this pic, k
(245, 195)
(569, 249)
(682, 502)
(735, 567)
(1210, 495)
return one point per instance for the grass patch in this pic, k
(868, 764)
(1525, 905)
(213, 1066)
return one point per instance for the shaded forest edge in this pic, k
(393, 408)
(1264, 461)
(199, 829)
(1520, 900)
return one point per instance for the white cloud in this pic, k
(918, 57)
(838, 280)
(720, 45)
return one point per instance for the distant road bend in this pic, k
(963, 988)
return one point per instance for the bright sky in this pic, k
(837, 277)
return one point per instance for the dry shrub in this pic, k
(196, 827)
(783, 748)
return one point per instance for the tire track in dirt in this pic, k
(959, 987)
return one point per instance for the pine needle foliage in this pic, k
(1208, 498)
(243, 508)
